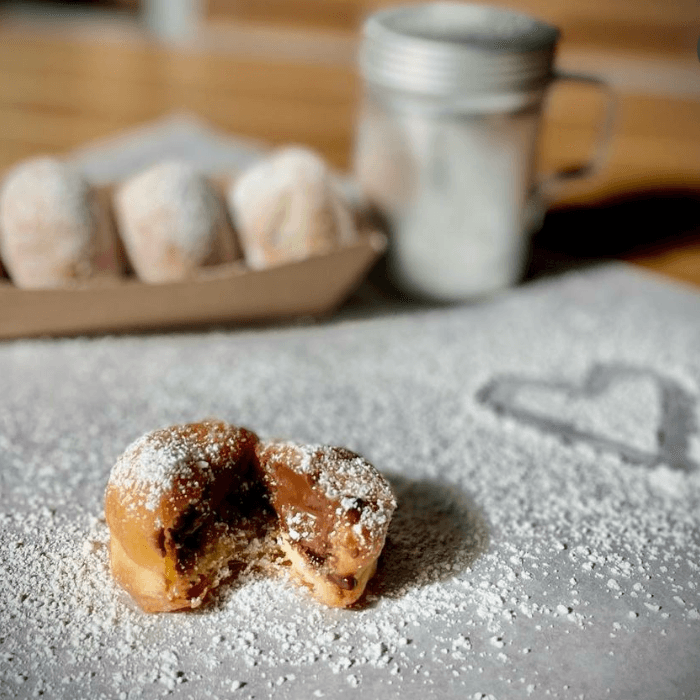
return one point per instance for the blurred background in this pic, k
(283, 71)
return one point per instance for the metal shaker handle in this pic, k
(605, 132)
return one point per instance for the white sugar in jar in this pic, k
(446, 141)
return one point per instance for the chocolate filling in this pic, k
(313, 557)
(188, 536)
(160, 542)
(292, 493)
(354, 516)
(347, 583)
(229, 501)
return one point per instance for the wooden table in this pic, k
(62, 87)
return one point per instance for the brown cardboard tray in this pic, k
(228, 293)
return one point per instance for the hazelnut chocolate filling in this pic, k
(312, 556)
(347, 583)
(226, 505)
(187, 536)
(291, 493)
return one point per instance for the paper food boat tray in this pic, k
(225, 294)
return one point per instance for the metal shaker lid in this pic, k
(446, 49)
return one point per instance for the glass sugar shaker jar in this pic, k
(446, 140)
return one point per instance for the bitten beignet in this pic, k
(192, 504)
(334, 510)
(177, 504)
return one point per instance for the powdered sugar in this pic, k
(170, 220)
(286, 207)
(347, 478)
(300, 525)
(499, 555)
(181, 197)
(629, 411)
(149, 466)
(47, 223)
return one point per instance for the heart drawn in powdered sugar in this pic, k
(636, 412)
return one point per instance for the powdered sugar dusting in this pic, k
(631, 404)
(171, 221)
(47, 223)
(181, 196)
(300, 525)
(347, 478)
(150, 465)
(495, 580)
(287, 207)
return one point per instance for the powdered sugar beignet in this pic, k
(333, 509)
(188, 505)
(172, 222)
(48, 224)
(179, 505)
(287, 208)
